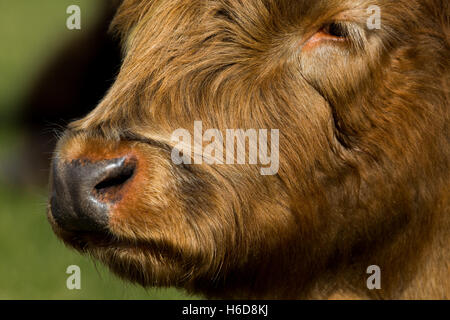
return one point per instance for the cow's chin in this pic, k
(140, 263)
(146, 263)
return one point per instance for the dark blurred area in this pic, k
(68, 88)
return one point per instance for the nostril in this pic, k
(115, 176)
(117, 179)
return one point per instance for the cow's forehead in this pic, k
(132, 12)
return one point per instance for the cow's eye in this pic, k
(336, 29)
(342, 33)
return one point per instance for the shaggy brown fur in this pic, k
(364, 148)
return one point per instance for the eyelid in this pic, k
(348, 33)
(319, 37)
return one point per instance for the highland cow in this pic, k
(363, 175)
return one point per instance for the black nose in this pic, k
(83, 191)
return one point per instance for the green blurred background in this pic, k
(32, 261)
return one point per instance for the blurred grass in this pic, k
(32, 261)
(30, 33)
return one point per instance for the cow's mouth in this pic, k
(138, 261)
